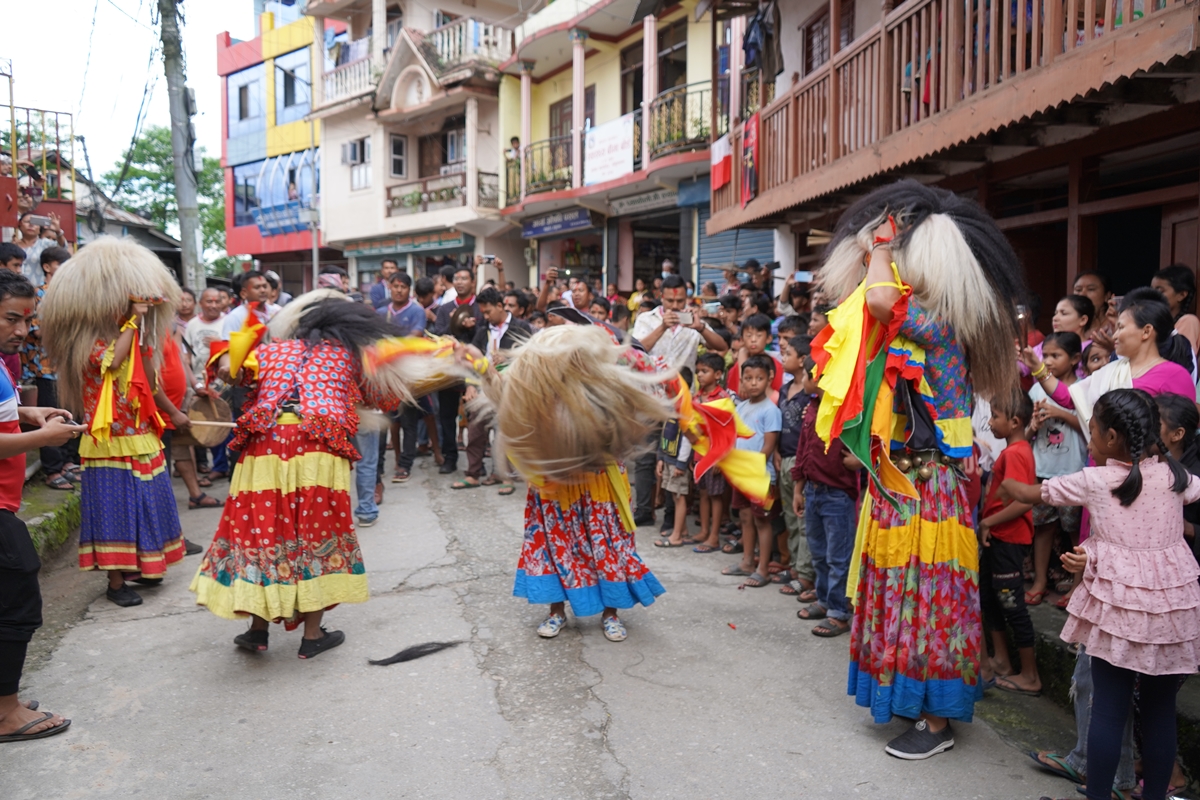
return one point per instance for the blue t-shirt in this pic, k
(410, 319)
(762, 417)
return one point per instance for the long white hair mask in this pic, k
(958, 262)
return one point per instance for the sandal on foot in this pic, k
(506, 489)
(756, 581)
(463, 483)
(1055, 765)
(57, 481)
(203, 482)
(705, 548)
(490, 480)
(254, 641)
(614, 629)
(1005, 684)
(813, 612)
(551, 626)
(733, 548)
(736, 571)
(1034, 598)
(311, 648)
(830, 627)
(400, 475)
(668, 543)
(203, 501)
(791, 588)
(19, 735)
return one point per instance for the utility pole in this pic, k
(181, 145)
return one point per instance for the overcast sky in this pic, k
(48, 42)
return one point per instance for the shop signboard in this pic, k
(659, 198)
(571, 219)
(411, 243)
(608, 151)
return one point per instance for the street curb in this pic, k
(52, 529)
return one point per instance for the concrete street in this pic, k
(164, 705)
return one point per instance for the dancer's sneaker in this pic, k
(124, 597)
(311, 648)
(254, 641)
(918, 742)
(614, 629)
(551, 626)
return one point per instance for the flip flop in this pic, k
(807, 596)
(19, 735)
(1005, 684)
(705, 548)
(668, 543)
(490, 480)
(830, 628)
(1062, 603)
(736, 572)
(1034, 598)
(1059, 765)
(812, 612)
(732, 549)
(463, 483)
(506, 489)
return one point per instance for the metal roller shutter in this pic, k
(736, 245)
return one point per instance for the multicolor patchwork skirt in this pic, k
(917, 637)
(286, 544)
(129, 520)
(578, 550)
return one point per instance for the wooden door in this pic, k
(1180, 231)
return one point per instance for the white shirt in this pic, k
(199, 334)
(990, 447)
(448, 296)
(678, 345)
(496, 333)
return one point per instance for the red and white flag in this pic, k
(721, 154)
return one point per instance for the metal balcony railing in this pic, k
(681, 119)
(548, 164)
(512, 181)
(637, 139)
(427, 194)
(489, 190)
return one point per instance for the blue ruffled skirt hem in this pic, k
(587, 600)
(953, 699)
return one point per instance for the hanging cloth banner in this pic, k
(750, 159)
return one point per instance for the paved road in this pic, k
(164, 706)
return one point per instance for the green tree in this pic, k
(149, 189)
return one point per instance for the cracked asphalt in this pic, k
(717, 693)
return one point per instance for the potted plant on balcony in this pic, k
(412, 199)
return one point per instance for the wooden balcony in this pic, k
(933, 74)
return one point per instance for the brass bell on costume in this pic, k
(925, 471)
(904, 463)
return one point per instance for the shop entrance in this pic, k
(580, 255)
(655, 238)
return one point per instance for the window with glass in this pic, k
(293, 89)
(399, 146)
(245, 112)
(672, 56)
(357, 153)
(273, 188)
(245, 192)
(631, 77)
(815, 35)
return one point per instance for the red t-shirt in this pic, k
(1015, 462)
(12, 469)
(174, 382)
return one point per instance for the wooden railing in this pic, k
(427, 194)
(922, 59)
(348, 80)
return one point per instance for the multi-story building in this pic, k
(1076, 123)
(614, 109)
(271, 150)
(408, 100)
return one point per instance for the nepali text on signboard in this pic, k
(572, 219)
(659, 198)
(608, 151)
(410, 243)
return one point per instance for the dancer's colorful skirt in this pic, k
(286, 544)
(578, 550)
(129, 520)
(916, 638)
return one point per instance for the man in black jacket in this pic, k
(499, 333)
(464, 295)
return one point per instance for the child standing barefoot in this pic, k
(1138, 608)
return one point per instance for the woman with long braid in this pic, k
(1137, 611)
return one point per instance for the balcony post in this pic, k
(378, 32)
(737, 29)
(578, 110)
(318, 63)
(526, 119)
(472, 166)
(835, 89)
(649, 81)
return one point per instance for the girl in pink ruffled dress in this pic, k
(1138, 609)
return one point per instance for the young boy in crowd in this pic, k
(793, 400)
(826, 493)
(712, 488)
(756, 335)
(762, 416)
(674, 463)
(1006, 532)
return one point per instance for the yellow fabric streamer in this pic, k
(746, 470)
(102, 417)
(610, 486)
(860, 538)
